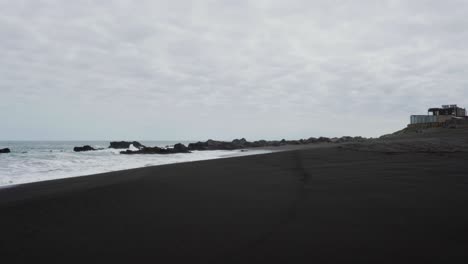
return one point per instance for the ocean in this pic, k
(32, 161)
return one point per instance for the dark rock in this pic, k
(240, 143)
(5, 150)
(259, 143)
(84, 148)
(181, 148)
(125, 144)
(208, 145)
(220, 145)
(198, 146)
(178, 148)
(243, 143)
(144, 150)
(293, 142)
(323, 140)
(347, 139)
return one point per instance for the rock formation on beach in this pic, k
(178, 148)
(235, 144)
(125, 144)
(348, 139)
(84, 148)
(5, 150)
(227, 145)
(243, 143)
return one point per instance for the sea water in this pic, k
(31, 161)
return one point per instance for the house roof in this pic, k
(443, 109)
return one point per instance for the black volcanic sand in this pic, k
(340, 204)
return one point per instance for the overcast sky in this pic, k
(226, 69)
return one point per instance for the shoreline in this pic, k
(324, 205)
(240, 154)
(121, 170)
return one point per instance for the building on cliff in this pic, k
(440, 115)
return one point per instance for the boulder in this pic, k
(5, 150)
(84, 148)
(197, 146)
(181, 148)
(125, 144)
(240, 143)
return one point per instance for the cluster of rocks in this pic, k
(5, 150)
(125, 144)
(235, 144)
(211, 145)
(243, 143)
(113, 145)
(178, 148)
(217, 145)
(349, 140)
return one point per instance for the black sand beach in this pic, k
(400, 200)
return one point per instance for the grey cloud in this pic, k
(224, 69)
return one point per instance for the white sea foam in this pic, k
(54, 160)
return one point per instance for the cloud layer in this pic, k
(225, 69)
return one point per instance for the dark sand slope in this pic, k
(354, 203)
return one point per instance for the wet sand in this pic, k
(347, 203)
